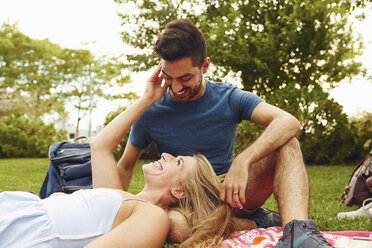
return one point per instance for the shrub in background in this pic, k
(20, 137)
(348, 141)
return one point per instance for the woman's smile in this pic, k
(158, 165)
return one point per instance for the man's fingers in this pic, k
(223, 194)
(157, 73)
(233, 193)
(242, 196)
(228, 197)
(236, 198)
(226, 191)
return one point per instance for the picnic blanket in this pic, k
(267, 238)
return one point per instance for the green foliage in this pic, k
(38, 77)
(247, 132)
(327, 136)
(21, 137)
(364, 136)
(30, 70)
(92, 84)
(365, 131)
(288, 52)
(120, 148)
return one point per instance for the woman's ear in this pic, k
(178, 192)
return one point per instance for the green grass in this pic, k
(326, 182)
(23, 174)
(28, 175)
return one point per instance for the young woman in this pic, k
(107, 216)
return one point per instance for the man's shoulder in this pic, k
(220, 88)
(227, 90)
(220, 85)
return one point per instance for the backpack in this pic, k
(359, 187)
(69, 169)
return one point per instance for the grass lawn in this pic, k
(327, 184)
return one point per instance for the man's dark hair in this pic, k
(180, 39)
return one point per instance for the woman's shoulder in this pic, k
(124, 194)
(136, 202)
(132, 205)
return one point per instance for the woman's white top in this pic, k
(71, 220)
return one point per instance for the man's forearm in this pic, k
(126, 164)
(125, 176)
(276, 134)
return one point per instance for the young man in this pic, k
(198, 115)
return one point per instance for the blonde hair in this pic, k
(210, 219)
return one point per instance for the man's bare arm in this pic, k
(126, 164)
(280, 128)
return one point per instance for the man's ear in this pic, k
(178, 192)
(205, 65)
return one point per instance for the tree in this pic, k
(33, 73)
(38, 77)
(364, 135)
(28, 71)
(93, 83)
(289, 52)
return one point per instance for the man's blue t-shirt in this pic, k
(206, 125)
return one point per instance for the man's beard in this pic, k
(191, 94)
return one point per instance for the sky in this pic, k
(94, 25)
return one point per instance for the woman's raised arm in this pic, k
(104, 171)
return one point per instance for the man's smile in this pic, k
(182, 93)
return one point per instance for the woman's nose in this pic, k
(165, 156)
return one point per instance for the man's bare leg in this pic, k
(282, 173)
(291, 184)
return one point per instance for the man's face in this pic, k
(185, 81)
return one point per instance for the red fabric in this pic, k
(267, 238)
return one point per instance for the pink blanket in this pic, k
(267, 238)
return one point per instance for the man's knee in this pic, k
(179, 229)
(293, 143)
(290, 149)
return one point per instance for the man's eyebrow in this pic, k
(165, 73)
(186, 75)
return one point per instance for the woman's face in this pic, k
(169, 169)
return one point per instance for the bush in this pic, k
(20, 137)
(342, 142)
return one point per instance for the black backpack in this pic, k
(69, 169)
(359, 187)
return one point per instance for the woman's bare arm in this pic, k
(146, 227)
(104, 170)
